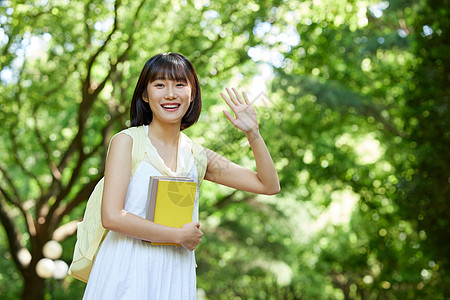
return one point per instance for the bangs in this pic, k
(169, 68)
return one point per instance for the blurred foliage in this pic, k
(355, 116)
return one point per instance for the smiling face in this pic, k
(168, 99)
(167, 78)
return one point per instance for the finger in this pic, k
(238, 96)
(246, 98)
(232, 97)
(229, 117)
(197, 224)
(228, 101)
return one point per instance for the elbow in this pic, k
(274, 190)
(278, 189)
(107, 221)
(113, 220)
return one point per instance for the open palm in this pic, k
(245, 115)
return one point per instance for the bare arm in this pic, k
(114, 217)
(223, 171)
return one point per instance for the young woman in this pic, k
(166, 100)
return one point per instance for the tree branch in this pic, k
(5, 52)
(86, 26)
(14, 127)
(123, 56)
(90, 64)
(15, 29)
(57, 212)
(81, 196)
(88, 95)
(87, 99)
(12, 186)
(12, 234)
(55, 172)
(18, 203)
(66, 190)
(15, 150)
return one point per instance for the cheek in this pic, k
(190, 94)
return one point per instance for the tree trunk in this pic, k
(34, 287)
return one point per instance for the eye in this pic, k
(159, 85)
(180, 84)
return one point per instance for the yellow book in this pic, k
(170, 201)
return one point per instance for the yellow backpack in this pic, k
(90, 232)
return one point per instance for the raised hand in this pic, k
(245, 115)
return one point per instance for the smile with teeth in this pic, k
(170, 106)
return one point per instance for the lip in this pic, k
(173, 106)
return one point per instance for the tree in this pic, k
(348, 86)
(427, 190)
(63, 66)
(356, 119)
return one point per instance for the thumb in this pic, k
(197, 224)
(229, 117)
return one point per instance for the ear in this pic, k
(144, 96)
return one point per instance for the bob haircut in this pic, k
(172, 66)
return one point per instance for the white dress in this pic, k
(131, 269)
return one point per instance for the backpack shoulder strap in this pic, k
(137, 153)
(200, 161)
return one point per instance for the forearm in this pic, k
(265, 168)
(132, 225)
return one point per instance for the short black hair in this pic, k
(173, 66)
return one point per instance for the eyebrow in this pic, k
(162, 77)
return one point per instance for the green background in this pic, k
(353, 102)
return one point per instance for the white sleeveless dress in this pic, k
(126, 268)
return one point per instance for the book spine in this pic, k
(151, 200)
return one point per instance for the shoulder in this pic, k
(126, 132)
(124, 137)
(134, 132)
(122, 143)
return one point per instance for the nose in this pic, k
(170, 92)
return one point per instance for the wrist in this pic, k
(252, 134)
(177, 235)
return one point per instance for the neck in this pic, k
(167, 134)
